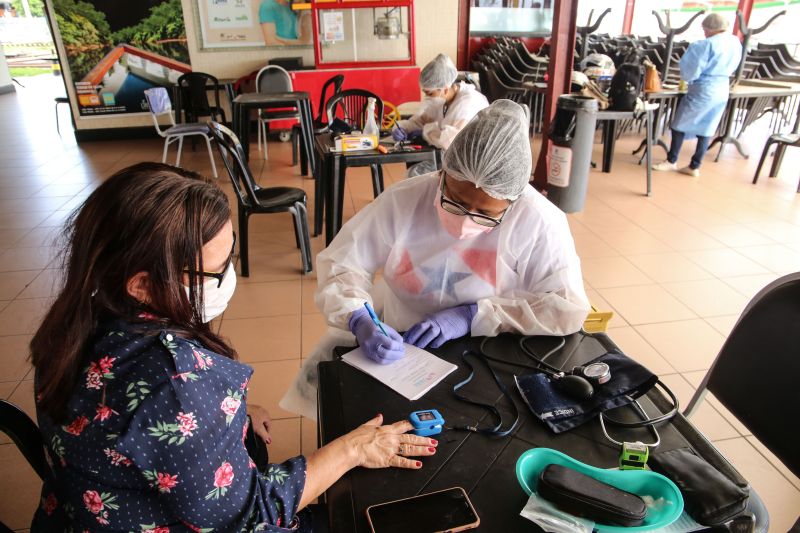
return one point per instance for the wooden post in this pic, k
(627, 18)
(462, 42)
(559, 75)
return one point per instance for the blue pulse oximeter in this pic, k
(426, 423)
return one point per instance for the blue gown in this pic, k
(707, 66)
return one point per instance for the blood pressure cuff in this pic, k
(561, 412)
(584, 496)
(709, 496)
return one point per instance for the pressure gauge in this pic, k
(598, 373)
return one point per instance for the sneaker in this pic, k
(665, 165)
(689, 171)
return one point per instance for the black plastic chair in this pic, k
(755, 374)
(24, 433)
(783, 140)
(194, 87)
(253, 199)
(320, 121)
(350, 105)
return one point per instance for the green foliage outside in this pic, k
(20, 72)
(164, 22)
(81, 25)
(37, 7)
(88, 37)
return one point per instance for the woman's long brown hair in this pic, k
(150, 218)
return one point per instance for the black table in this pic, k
(609, 120)
(329, 191)
(484, 466)
(301, 100)
(748, 101)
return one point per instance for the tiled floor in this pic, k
(676, 268)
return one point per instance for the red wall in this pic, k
(476, 44)
(392, 84)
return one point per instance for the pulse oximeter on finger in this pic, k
(426, 423)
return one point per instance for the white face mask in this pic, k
(436, 101)
(215, 299)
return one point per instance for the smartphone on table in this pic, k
(442, 511)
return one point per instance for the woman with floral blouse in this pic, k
(141, 405)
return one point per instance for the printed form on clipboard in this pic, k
(412, 376)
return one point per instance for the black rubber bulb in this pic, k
(576, 387)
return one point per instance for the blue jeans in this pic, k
(699, 151)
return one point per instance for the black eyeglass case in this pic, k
(584, 496)
(710, 497)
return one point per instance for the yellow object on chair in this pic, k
(597, 321)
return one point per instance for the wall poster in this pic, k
(332, 26)
(253, 24)
(117, 50)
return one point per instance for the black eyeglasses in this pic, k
(457, 209)
(219, 276)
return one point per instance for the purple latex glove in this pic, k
(416, 134)
(399, 134)
(380, 348)
(440, 327)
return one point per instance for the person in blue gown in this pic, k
(706, 66)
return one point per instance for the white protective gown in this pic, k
(524, 275)
(439, 128)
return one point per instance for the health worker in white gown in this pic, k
(707, 66)
(447, 107)
(472, 249)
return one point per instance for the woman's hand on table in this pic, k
(378, 446)
(261, 421)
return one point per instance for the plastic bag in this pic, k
(545, 515)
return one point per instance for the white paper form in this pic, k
(412, 376)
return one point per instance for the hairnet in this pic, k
(493, 151)
(715, 22)
(438, 74)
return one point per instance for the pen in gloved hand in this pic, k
(374, 317)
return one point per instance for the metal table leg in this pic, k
(610, 133)
(340, 195)
(320, 188)
(307, 131)
(649, 153)
(331, 196)
(726, 135)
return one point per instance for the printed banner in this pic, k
(117, 50)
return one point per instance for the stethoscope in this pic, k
(578, 383)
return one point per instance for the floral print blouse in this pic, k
(154, 441)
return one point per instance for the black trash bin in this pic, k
(570, 153)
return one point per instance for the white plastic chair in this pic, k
(273, 79)
(158, 100)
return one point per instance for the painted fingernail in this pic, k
(418, 463)
(434, 442)
(432, 450)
